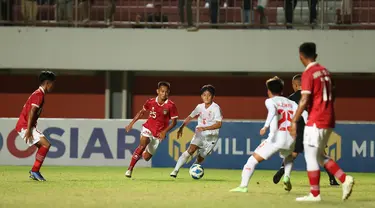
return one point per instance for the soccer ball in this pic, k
(196, 171)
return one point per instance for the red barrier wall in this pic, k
(239, 97)
(73, 96)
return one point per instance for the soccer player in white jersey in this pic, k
(280, 113)
(207, 131)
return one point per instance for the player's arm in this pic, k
(32, 117)
(270, 115)
(218, 117)
(36, 101)
(217, 125)
(173, 117)
(307, 86)
(305, 98)
(137, 117)
(172, 124)
(187, 120)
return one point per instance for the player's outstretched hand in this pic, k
(28, 136)
(263, 131)
(179, 133)
(128, 128)
(293, 130)
(162, 135)
(200, 129)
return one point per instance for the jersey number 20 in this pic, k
(285, 116)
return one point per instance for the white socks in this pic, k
(248, 170)
(182, 160)
(288, 165)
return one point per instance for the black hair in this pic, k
(275, 85)
(165, 84)
(46, 76)
(297, 77)
(208, 88)
(308, 50)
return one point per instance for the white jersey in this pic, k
(281, 110)
(207, 116)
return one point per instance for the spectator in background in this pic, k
(247, 13)
(262, 4)
(214, 10)
(29, 10)
(6, 10)
(154, 17)
(344, 15)
(110, 11)
(290, 5)
(64, 9)
(181, 8)
(85, 10)
(312, 7)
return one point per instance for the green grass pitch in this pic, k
(152, 187)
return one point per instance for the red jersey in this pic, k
(316, 81)
(36, 99)
(160, 115)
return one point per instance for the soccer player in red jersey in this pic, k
(317, 97)
(156, 127)
(26, 125)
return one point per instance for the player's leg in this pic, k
(298, 149)
(333, 168)
(312, 140)
(288, 161)
(43, 145)
(137, 155)
(332, 179)
(262, 152)
(184, 158)
(209, 144)
(195, 144)
(151, 148)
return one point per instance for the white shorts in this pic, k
(36, 136)
(316, 137)
(154, 142)
(266, 149)
(205, 143)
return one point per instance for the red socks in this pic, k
(314, 178)
(335, 170)
(39, 158)
(137, 155)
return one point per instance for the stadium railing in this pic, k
(231, 13)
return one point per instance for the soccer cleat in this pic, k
(309, 198)
(174, 173)
(239, 189)
(287, 184)
(36, 176)
(128, 173)
(333, 182)
(347, 187)
(278, 175)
